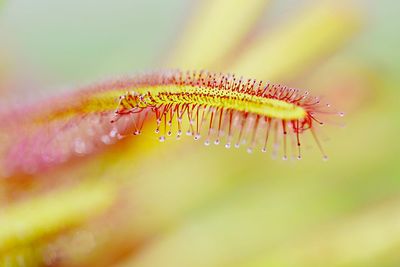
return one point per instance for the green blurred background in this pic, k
(184, 204)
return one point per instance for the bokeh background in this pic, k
(142, 203)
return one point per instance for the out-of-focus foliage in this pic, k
(215, 30)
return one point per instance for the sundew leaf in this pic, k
(217, 106)
(50, 132)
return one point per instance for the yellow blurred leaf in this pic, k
(23, 223)
(283, 54)
(217, 28)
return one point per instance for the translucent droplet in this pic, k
(237, 145)
(285, 157)
(106, 139)
(325, 158)
(228, 145)
(188, 132)
(263, 150)
(169, 133)
(207, 142)
(161, 138)
(197, 137)
(113, 133)
(249, 150)
(216, 142)
(79, 146)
